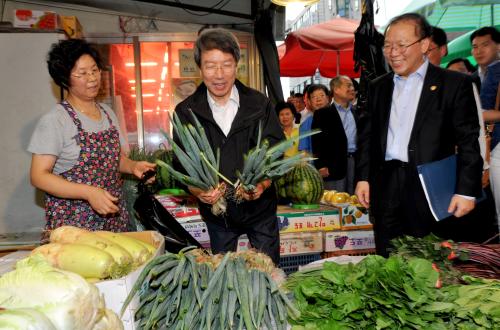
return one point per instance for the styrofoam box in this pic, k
(324, 218)
(349, 240)
(116, 291)
(300, 243)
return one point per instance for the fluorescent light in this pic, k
(144, 81)
(130, 64)
(163, 73)
(165, 58)
(144, 95)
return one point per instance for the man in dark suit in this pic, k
(417, 114)
(330, 146)
(343, 93)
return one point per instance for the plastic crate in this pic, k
(290, 264)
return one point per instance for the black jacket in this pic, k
(254, 108)
(329, 146)
(446, 121)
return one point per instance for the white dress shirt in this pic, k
(405, 98)
(224, 114)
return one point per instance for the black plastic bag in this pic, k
(153, 216)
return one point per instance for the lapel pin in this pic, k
(433, 87)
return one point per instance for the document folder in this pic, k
(438, 181)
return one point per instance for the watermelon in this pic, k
(303, 185)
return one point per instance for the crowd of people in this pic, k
(418, 113)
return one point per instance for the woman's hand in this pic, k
(102, 201)
(208, 197)
(141, 167)
(257, 192)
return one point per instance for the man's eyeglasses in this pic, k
(213, 68)
(387, 48)
(86, 75)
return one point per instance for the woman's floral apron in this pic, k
(98, 165)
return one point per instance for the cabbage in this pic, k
(109, 321)
(65, 298)
(24, 319)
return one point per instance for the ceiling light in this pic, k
(288, 2)
(142, 64)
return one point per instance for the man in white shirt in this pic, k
(231, 114)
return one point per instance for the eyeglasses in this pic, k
(86, 75)
(213, 68)
(387, 48)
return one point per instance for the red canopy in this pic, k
(322, 46)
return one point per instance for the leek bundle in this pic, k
(265, 162)
(197, 158)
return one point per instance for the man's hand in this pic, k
(460, 206)
(324, 172)
(257, 192)
(363, 193)
(208, 197)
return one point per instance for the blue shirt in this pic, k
(489, 88)
(405, 98)
(349, 125)
(305, 144)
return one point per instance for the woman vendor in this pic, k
(77, 148)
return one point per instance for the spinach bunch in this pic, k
(380, 293)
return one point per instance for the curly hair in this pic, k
(63, 56)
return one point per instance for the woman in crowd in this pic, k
(289, 120)
(76, 148)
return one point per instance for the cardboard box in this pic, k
(71, 27)
(116, 291)
(325, 218)
(301, 243)
(350, 240)
(354, 218)
(183, 208)
(36, 19)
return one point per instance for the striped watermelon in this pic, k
(303, 185)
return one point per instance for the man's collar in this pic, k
(337, 105)
(420, 72)
(235, 97)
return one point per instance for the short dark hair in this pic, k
(424, 29)
(337, 81)
(298, 95)
(287, 105)
(466, 62)
(312, 88)
(484, 31)
(438, 36)
(217, 38)
(62, 58)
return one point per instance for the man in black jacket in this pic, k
(418, 114)
(230, 114)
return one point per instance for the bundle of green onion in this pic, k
(265, 162)
(196, 157)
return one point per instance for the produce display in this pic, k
(202, 165)
(457, 259)
(303, 185)
(196, 290)
(94, 255)
(266, 162)
(38, 296)
(196, 157)
(393, 293)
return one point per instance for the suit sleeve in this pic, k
(465, 122)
